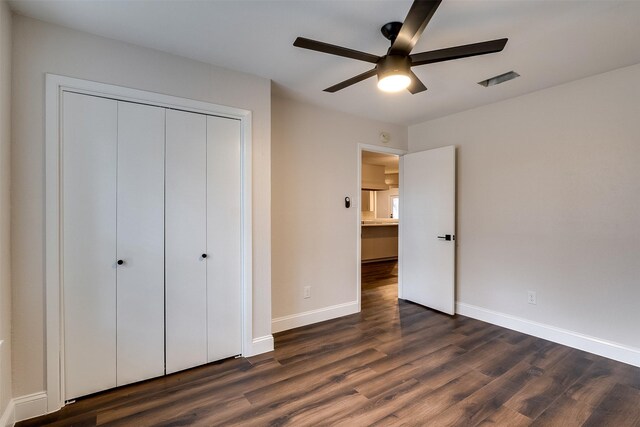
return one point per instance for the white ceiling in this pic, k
(550, 42)
(389, 161)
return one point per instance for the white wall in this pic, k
(549, 200)
(40, 48)
(314, 164)
(5, 211)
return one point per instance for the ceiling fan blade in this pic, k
(335, 50)
(351, 81)
(457, 52)
(416, 85)
(414, 24)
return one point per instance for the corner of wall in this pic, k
(8, 417)
(23, 408)
(297, 320)
(261, 345)
(6, 48)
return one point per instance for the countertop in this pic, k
(380, 223)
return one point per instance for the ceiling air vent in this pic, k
(499, 79)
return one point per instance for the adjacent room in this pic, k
(354, 212)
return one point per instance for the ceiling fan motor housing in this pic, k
(393, 65)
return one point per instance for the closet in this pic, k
(151, 241)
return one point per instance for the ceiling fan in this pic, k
(394, 69)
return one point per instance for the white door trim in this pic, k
(375, 149)
(55, 85)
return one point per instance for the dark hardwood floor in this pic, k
(395, 363)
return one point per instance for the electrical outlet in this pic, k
(307, 291)
(531, 297)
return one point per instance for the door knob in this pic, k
(120, 262)
(204, 255)
(447, 237)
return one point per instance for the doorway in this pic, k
(424, 253)
(379, 210)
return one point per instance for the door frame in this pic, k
(376, 149)
(54, 311)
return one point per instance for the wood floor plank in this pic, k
(284, 407)
(459, 365)
(577, 404)
(190, 412)
(481, 404)
(423, 409)
(541, 392)
(316, 413)
(337, 341)
(304, 381)
(619, 408)
(395, 363)
(159, 407)
(506, 417)
(381, 406)
(623, 374)
(499, 363)
(391, 374)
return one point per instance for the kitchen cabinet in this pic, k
(379, 240)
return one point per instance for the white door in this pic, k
(427, 228)
(224, 238)
(89, 242)
(186, 240)
(140, 241)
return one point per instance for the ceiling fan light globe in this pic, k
(394, 82)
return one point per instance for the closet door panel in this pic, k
(186, 268)
(140, 241)
(224, 238)
(89, 132)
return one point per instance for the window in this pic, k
(395, 207)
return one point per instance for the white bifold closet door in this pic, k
(113, 210)
(90, 132)
(203, 239)
(140, 239)
(186, 240)
(224, 238)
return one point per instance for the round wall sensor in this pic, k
(385, 137)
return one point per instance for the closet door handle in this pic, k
(204, 255)
(120, 262)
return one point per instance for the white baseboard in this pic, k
(9, 415)
(2, 386)
(29, 406)
(24, 407)
(261, 345)
(284, 323)
(611, 350)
